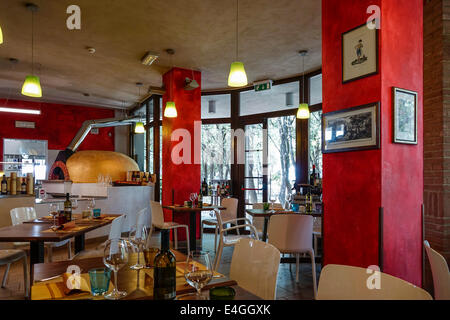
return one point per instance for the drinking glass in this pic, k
(138, 237)
(272, 200)
(115, 257)
(74, 204)
(91, 206)
(99, 279)
(54, 208)
(198, 271)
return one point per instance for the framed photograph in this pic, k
(405, 116)
(359, 53)
(351, 129)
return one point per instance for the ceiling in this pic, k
(202, 33)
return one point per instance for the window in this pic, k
(139, 140)
(315, 141)
(216, 152)
(315, 89)
(216, 106)
(280, 97)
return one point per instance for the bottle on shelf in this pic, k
(312, 176)
(13, 183)
(164, 276)
(204, 190)
(4, 185)
(68, 208)
(23, 187)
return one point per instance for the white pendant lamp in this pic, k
(32, 85)
(237, 76)
(1, 35)
(170, 111)
(303, 108)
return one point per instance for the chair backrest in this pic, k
(157, 213)
(441, 275)
(254, 266)
(140, 222)
(116, 228)
(231, 205)
(340, 282)
(19, 215)
(291, 232)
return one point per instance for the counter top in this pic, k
(8, 196)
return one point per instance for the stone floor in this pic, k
(287, 289)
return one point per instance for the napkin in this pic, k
(66, 286)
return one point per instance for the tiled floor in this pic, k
(287, 289)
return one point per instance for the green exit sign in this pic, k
(263, 85)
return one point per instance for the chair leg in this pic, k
(175, 236)
(187, 240)
(5, 276)
(69, 250)
(218, 256)
(297, 263)
(313, 267)
(215, 239)
(26, 281)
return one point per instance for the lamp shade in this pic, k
(32, 87)
(1, 35)
(303, 111)
(139, 128)
(237, 77)
(170, 111)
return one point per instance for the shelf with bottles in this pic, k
(15, 185)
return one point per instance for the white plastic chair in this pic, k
(114, 233)
(226, 240)
(10, 256)
(229, 215)
(441, 275)
(254, 266)
(340, 282)
(292, 233)
(158, 222)
(19, 215)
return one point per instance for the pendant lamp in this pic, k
(170, 110)
(237, 76)
(1, 35)
(303, 108)
(32, 85)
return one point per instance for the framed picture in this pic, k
(359, 53)
(351, 129)
(405, 116)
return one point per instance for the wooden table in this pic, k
(266, 214)
(138, 284)
(192, 219)
(36, 233)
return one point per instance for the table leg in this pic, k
(193, 230)
(264, 235)
(79, 243)
(36, 256)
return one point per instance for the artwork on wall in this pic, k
(359, 53)
(351, 129)
(404, 116)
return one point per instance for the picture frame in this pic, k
(359, 53)
(404, 116)
(352, 129)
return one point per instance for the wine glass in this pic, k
(53, 210)
(138, 237)
(115, 257)
(91, 205)
(198, 271)
(272, 200)
(287, 204)
(74, 204)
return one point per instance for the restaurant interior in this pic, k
(224, 150)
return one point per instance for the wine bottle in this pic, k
(200, 200)
(23, 187)
(312, 177)
(68, 208)
(164, 276)
(4, 185)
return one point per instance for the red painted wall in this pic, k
(351, 180)
(356, 184)
(183, 178)
(402, 175)
(57, 123)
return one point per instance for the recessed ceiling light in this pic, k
(90, 50)
(149, 58)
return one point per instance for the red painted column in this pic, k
(183, 178)
(356, 184)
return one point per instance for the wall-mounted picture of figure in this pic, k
(359, 53)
